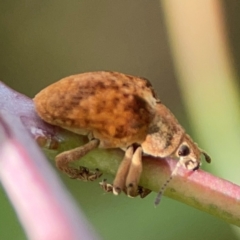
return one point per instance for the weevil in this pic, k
(116, 110)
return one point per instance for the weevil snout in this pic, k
(189, 154)
(189, 157)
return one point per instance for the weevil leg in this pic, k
(134, 173)
(120, 179)
(107, 187)
(63, 160)
(143, 192)
(86, 175)
(93, 175)
(128, 176)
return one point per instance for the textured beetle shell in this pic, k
(116, 108)
(164, 134)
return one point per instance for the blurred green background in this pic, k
(43, 41)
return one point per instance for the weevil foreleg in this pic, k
(128, 175)
(107, 187)
(143, 192)
(134, 173)
(120, 179)
(63, 160)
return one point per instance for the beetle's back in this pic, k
(117, 108)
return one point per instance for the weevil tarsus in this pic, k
(107, 187)
(64, 158)
(143, 192)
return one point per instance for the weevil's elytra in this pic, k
(99, 101)
(116, 110)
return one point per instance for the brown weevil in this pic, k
(116, 110)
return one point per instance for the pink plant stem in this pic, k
(199, 189)
(44, 208)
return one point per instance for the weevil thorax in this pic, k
(166, 137)
(164, 133)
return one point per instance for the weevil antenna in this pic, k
(207, 158)
(164, 186)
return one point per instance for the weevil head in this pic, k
(189, 154)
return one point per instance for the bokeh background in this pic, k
(43, 41)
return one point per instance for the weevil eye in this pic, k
(183, 151)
